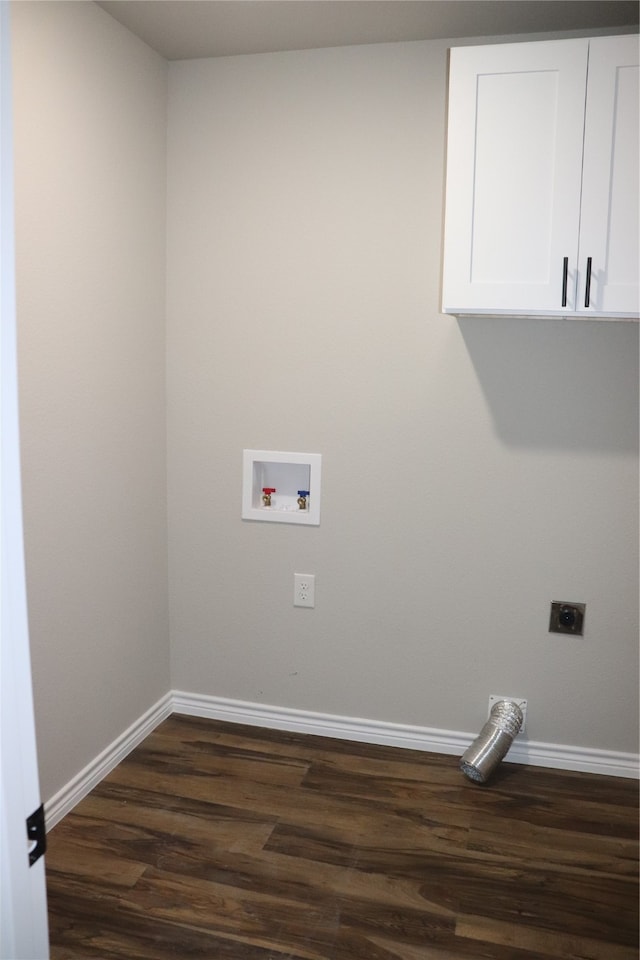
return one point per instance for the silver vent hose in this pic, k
(492, 743)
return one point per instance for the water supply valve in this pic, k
(266, 495)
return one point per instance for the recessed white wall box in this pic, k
(281, 487)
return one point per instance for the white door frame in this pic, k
(23, 904)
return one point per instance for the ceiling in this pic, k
(184, 29)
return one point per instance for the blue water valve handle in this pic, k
(303, 493)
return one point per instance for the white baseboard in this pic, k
(431, 740)
(77, 788)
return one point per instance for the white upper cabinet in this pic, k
(609, 222)
(542, 179)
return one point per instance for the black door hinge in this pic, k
(36, 835)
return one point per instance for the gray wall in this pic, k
(90, 131)
(472, 472)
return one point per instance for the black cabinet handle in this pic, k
(36, 835)
(587, 291)
(565, 274)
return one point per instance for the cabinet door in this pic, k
(514, 158)
(609, 222)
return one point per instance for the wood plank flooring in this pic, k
(222, 842)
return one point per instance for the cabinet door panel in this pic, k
(610, 223)
(514, 155)
(513, 149)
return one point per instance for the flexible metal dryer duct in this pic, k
(492, 743)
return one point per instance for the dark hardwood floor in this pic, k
(221, 842)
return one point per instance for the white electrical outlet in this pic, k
(517, 700)
(304, 590)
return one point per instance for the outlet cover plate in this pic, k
(567, 617)
(304, 590)
(493, 699)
